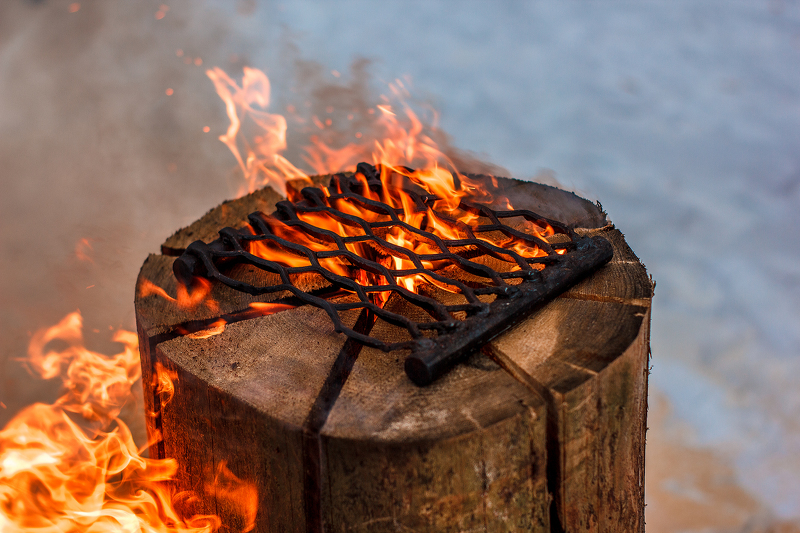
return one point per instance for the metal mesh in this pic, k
(362, 267)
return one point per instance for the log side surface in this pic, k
(542, 431)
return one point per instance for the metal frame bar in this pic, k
(435, 345)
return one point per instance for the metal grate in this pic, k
(491, 300)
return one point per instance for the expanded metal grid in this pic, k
(453, 330)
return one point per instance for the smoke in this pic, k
(104, 107)
(99, 164)
(348, 100)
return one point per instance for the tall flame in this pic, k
(261, 162)
(73, 466)
(398, 140)
(257, 138)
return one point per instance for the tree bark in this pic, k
(541, 431)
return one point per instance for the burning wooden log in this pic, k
(540, 430)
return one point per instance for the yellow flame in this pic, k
(73, 466)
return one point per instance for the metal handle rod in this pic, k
(431, 358)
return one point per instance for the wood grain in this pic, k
(543, 431)
(586, 353)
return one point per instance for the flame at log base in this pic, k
(74, 466)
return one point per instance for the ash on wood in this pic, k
(542, 431)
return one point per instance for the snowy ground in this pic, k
(681, 117)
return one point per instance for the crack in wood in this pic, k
(639, 302)
(549, 454)
(318, 415)
(553, 467)
(157, 447)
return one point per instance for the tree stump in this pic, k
(541, 431)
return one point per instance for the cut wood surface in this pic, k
(542, 431)
(232, 213)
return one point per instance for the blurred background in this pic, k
(681, 117)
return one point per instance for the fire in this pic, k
(397, 137)
(270, 308)
(446, 219)
(164, 381)
(186, 299)
(399, 140)
(73, 466)
(261, 162)
(215, 328)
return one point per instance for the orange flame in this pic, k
(73, 466)
(257, 138)
(186, 299)
(239, 496)
(402, 141)
(262, 163)
(218, 325)
(269, 308)
(164, 382)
